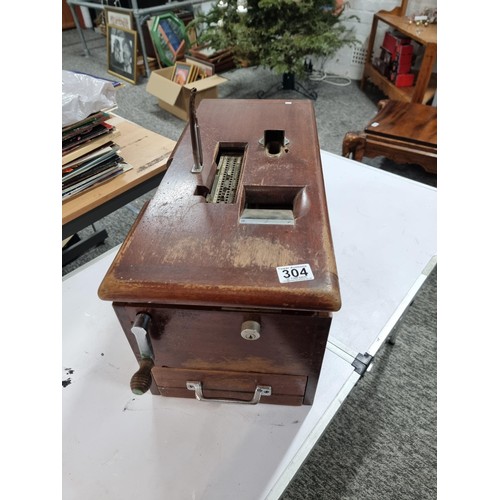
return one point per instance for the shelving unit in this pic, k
(426, 81)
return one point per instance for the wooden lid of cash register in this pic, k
(226, 284)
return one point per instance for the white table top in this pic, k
(384, 234)
(117, 445)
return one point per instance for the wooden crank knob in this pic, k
(141, 379)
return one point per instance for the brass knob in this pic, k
(141, 379)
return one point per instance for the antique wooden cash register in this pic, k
(226, 284)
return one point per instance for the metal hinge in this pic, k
(362, 362)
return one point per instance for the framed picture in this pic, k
(168, 34)
(122, 53)
(207, 68)
(182, 73)
(119, 18)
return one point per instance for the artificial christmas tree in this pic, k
(278, 34)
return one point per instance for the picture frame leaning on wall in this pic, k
(119, 18)
(122, 53)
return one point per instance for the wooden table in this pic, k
(147, 152)
(402, 131)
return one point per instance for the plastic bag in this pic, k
(83, 95)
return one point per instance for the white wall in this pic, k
(349, 61)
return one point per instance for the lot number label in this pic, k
(298, 272)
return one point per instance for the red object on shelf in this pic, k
(394, 41)
(403, 80)
(396, 55)
(402, 64)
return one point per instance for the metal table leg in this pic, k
(79, 29)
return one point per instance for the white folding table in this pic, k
(118, 445)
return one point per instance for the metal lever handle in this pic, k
(140, 329)
(141, 380)
(195, 134)
(260, 390)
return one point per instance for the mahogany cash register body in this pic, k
(226, 284)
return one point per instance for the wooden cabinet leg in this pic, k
(354, 144)
(382, 103)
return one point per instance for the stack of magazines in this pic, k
(89, 154)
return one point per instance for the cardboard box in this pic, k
(174, 98)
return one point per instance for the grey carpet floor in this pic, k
(381, 445)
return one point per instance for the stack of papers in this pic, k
(89, 154)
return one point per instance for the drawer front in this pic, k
(230, 387)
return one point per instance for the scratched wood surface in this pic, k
(412, 123)
(146, 151)
(186, 251)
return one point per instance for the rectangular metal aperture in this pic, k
(270, 205)
(259, 204)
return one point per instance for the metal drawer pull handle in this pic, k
(260, 390)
